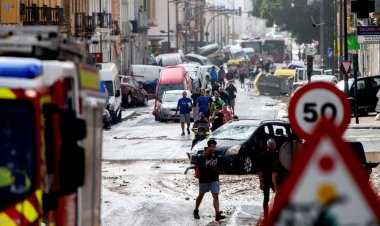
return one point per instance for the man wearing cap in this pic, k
(266, 165)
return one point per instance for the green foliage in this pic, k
(296, 20)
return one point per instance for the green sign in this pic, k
(352, 42)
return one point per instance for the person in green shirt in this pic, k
(217, 101)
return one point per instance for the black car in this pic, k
(240, 142)
(368, 87)
(132, 92)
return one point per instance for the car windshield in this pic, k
(234, 131)
(107, 85)
(167, 87)
(171, 97)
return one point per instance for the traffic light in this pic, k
(239, 11)
(309, 66)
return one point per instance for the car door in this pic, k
(374, 86)
(135, 90)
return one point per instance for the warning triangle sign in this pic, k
(326, 184)
(345, 66)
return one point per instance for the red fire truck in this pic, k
(50, 130)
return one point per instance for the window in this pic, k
(17, 149)
(361, 84)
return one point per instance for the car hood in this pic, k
(221, 146)
(169, 105)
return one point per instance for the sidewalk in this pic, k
(126, 114)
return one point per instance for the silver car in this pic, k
(168, 105)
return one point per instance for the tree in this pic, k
(296, 20)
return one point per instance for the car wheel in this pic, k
(129, 99)
(146, 101)
(247, 164)
(160, 118)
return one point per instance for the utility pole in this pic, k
(346, 90)
(168, 49)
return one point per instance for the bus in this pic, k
(256, 44)
(275, 48)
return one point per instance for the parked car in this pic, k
(148, 75)
(377, 109)
(169, 59)
(142, 72)
(171, 78)
(195, 74)
(205, 70)
(192, 57)
(168, 105)
(367, 89)
(241, 142)
(132, 92)
(110, 84)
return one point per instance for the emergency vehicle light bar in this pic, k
(21, 68)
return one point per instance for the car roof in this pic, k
(196, 56)
(176, 91)
(256, 122)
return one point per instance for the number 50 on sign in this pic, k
(315, 101)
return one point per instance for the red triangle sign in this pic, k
(326, 186)
(346, 66)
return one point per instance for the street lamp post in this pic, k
(168, 48)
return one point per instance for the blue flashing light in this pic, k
(20, 68)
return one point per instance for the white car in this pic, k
(195, 73)
(168, 104)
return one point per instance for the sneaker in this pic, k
(183, 134)
(188, 131)
(196, 214)
(219, 216)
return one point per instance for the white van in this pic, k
(110, 83)
(143, 73)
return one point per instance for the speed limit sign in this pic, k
(316, 101)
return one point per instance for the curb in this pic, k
(127, 115)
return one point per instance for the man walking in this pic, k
(221, 75)
(203, 103)
(266, 165)
(213, 75)
(184, 105)
(208, 176)
(231, 91)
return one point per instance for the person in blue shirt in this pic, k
(213, 74)
(184, 106)
(203, 103)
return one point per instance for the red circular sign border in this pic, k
(321, 85)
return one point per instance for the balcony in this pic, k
(102, 20)
(34, 15)
(83, 24)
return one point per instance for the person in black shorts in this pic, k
(208, 176)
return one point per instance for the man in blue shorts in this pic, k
(184, 105)
(208, 176)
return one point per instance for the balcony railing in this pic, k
(83, 24)
(34, 15)
(102, 20)
(115, 28)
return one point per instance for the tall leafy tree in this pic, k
(296, 20)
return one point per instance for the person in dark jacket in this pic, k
(208, 176)
(266, 166)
